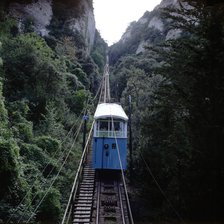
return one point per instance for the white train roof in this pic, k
(105, 110)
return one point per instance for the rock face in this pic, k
(41, 13)
(150, 29)
(85, 24)
(156, 23)
(166, 3)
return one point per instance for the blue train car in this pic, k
(110, 137)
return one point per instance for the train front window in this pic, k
(103, 125)
(110, 128)
(117, 126)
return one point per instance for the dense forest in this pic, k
(44, 85)
(177, 90)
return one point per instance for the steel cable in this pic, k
(65, 160)
(43, 170)
(122, 172)
(160, 189)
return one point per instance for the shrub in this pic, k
(50, 209)
(48, 144)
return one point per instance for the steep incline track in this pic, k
(82, 206)
(109, 199)
(100, 198)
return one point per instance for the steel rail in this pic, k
(121, 202)
(98, 202)
(123, 178)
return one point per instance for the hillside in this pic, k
(152, 28)
(51, 59)
(170, 63)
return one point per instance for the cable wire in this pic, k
(77, 173)
(42, 185)
(87, 104)
(55, 178)
(122, 172)
(62, 155)
(43, 170)
(161, 190)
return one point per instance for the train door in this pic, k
(110, 155)
(106, 154)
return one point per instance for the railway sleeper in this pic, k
(82, 212)
(108, 188)
(88, 178)
(92, 176)
(82, 205)
(109, 193)
(86, 185)
(85, 190)
(111, 209)
(110, 220)
(83, 201)
(89, 181)
(83, 209)
(109, 202)
(78, 221)
(82, 216)
(86, 195)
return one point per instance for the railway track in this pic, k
(83, 203)
(97, 196)
(109, 199)
(100, 198)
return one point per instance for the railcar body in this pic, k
(110, 137)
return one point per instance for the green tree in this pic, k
(40, 80)
(50, 209)
(191, 108)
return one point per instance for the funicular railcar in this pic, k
(110, 137)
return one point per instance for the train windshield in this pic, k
(109, 125)
(109, 128)
(103, 125)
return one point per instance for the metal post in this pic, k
(130, 139)
(85, 118)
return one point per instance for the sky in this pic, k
(114, 16)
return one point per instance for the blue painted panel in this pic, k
(105, 154)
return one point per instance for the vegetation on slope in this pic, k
(44, 84)
(177, 92)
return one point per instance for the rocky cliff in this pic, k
(43, 16)
(150, 29)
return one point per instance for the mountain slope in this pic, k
(50, 61)
(45, 15)
(152, 28)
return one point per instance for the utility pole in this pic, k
(130, 139)
(85, 118)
